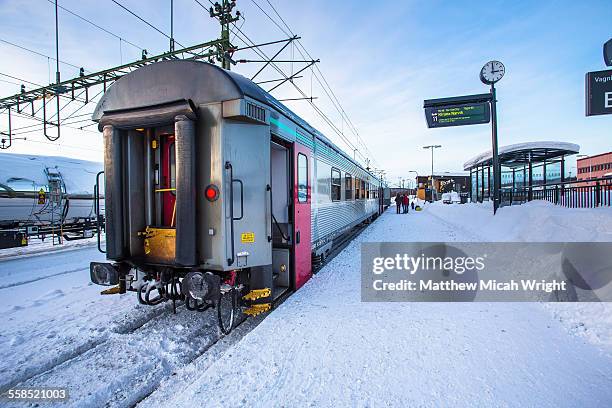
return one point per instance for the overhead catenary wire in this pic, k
(320, 78)
(49, 58)
(96, 25)
(37, 53)
(245, 39)
(324, 84)
(146, 22)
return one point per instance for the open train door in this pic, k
(302, 216)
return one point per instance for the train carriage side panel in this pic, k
(331, 218)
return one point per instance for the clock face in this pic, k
(492, 72)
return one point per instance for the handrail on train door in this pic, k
(228, 166)
(97, 209)
(280, 230)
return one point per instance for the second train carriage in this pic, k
(216, 192)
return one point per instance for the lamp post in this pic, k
(432, 147)
(416, 180)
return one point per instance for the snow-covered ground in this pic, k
(108, 350)
(323, 346)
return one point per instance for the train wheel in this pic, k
(226, 310)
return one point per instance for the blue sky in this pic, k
(381, 59)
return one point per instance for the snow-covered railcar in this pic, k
(41, 190)
(216, 194)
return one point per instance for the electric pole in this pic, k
(225, 48)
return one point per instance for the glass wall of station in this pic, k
(516, 179)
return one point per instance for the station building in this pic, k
(526, 170)
(444, 182)
(594, 167)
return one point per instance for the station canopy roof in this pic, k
(517, 155)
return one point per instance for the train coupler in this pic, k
(257, 294)
(255, 310)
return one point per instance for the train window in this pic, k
(357, 188)
(348, 187)
(363, 189)
(336, 184)
(302, 178)
(172, 160)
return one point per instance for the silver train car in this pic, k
(217, 195)
(45, 190)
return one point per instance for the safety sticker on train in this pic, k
(247, 237)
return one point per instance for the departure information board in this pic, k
(458, 115)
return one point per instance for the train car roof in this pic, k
(200, 82)
(22, 169)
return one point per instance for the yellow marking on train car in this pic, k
(42, 196)
(154, 144)
(257, 294)
(247, 237)
(159, 243)
(258, 309)
(163, 190)
(111, 291)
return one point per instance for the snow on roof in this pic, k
(554, 149)
(452, 174)
(79, 175)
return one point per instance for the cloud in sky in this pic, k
(382, 60)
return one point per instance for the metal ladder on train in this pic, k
(57, 202)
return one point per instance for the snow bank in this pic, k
(536, 221)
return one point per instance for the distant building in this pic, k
(594, 166)
(446, 182)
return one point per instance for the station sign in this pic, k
(458, 115)
(598, 93)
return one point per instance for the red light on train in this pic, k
(211, 193)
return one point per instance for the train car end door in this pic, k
(302, 215)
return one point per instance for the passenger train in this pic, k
(216, 194)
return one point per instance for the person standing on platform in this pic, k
(398, 203)
(405, 202)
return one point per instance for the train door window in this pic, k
(363, 189)
(357, 188)
(336, 184)
(302, 178)
(348, 187)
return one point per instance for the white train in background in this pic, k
(38, 193)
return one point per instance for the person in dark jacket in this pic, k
(398, 203)
(405, 204)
